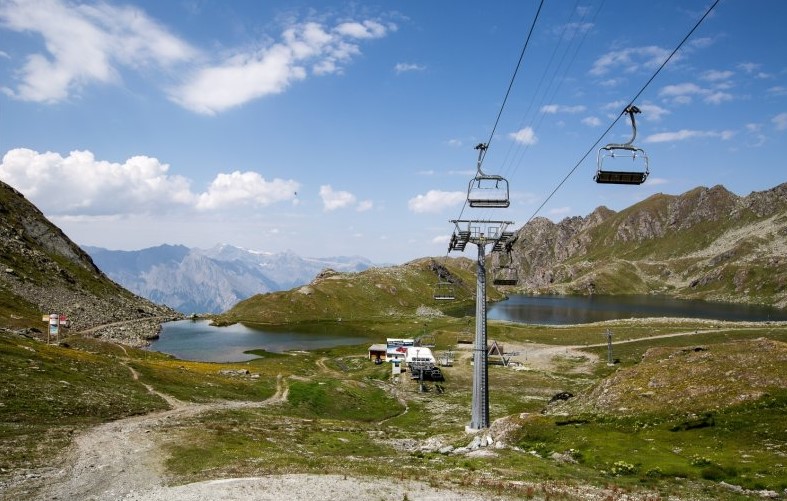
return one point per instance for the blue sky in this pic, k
(341, 128)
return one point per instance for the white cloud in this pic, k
(749, 67)
(716, 75)
(79, 185)
(656, 181)
(684, 134)
(332, 200)
(245, 188)
(405, 67)
(561, 108)
(364, 206)
(94, 43)
(364, 29)
(680, 90)
(86, 44)
(684, 93)
(436, 201)
(630, 60)
(246, 76)
(718, 97)
(524, 136)
(591, 121)
(441, 239)
(780, 121)
(652, 112)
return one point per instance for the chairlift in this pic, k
(611, 153)
(505, 275)
(485, 190)
(444, 291)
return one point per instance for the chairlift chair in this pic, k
(505, 275)
(485, 190)
(608, 155)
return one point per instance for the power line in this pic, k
(631, 102)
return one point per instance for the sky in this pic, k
(348, 128)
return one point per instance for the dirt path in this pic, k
(122, 459)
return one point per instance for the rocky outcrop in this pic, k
(44, 272)
(706, 243)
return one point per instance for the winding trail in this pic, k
(123, 459)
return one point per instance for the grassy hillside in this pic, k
(377, 294)
(704, 244)
(674, 419)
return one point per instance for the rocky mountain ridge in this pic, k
(42, 271)
(193, 280)
(707, 243)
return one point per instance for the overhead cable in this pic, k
(631, 102)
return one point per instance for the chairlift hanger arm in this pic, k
(481, 147)
(629, 145)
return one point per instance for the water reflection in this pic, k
(562, 310)
(190, 340)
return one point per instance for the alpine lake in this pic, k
(199, 340)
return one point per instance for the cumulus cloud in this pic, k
(80, 185)
(86, 44)
(332, 200)
(524, 136)
(245, 188)
(248, 75)
(436, 201)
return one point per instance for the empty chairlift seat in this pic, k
(488, 191)
(612, 157)
(485, 190)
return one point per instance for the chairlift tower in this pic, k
(481, 233)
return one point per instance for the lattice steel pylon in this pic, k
(480, 233)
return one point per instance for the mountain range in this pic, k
(193, 280)
(707, 243)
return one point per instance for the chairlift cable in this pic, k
(553, 86)
(482, 154)
(513, 77)
(630, 103)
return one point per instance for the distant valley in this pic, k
(192, 280)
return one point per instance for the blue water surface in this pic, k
(198, 340)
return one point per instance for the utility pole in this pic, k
(480, 233)
(609, 347)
